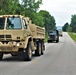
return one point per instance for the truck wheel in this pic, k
(57, 41)
(1, 56)
(38, 51)
(48, 41)
(27, 55)
(42, 48)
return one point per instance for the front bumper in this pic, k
(10, 46)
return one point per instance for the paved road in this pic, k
(59, 59)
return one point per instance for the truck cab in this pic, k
(18, 36)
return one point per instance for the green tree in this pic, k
(66, 25)
(73, 23)
(38, 19)
(69, 29)
(32, 4)
(20, 10)
(8, 6)
(49, 21)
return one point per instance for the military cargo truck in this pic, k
(60, 32)
(53, 35)
(19, 36)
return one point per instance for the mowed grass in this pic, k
(72, 35)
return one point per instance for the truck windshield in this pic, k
(52, 32)
(13, 23)
(2, 21)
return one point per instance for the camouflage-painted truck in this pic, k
(19, 36)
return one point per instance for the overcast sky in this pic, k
(60, 9)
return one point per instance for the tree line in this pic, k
(29, 8)
(72, 26)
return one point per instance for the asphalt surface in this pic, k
(58, 59)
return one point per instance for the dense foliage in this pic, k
(72, 26)
(73, 23)
(49, 21)
(66, 25)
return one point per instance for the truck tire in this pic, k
(42, 48)
(49, 41)
(1, 56)
(57, 40)
(27, 55)
(38, 51)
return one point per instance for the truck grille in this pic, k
(5, 36)
(8, 36)
(1, 36)
(52, 36)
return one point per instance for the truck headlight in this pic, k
(18, 44)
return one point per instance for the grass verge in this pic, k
(72, 35)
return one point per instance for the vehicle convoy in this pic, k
(19, 36)
(53, 35)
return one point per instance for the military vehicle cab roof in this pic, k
(11, 16)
